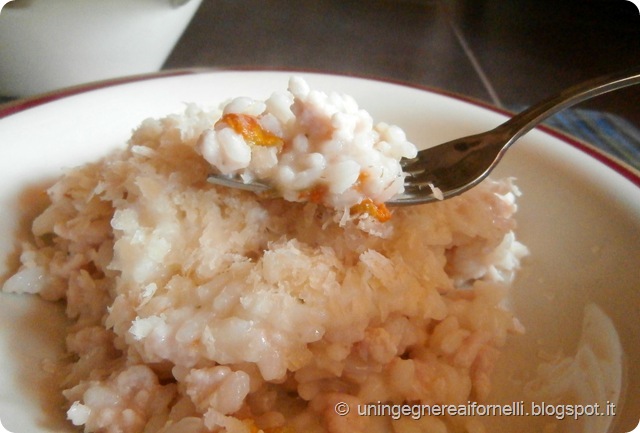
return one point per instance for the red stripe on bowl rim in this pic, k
(17, 106)
(33, 101)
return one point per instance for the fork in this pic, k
(459, 165)
(451, 168)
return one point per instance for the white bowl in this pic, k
(46, 45)
(579, 215)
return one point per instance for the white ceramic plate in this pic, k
(579, 215)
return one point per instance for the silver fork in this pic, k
(459, 165)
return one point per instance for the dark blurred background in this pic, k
(509, 53)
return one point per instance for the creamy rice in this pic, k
(310, 146)
(197, 308)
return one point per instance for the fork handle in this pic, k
(523, 122)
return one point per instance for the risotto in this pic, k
(196, 308)
(310, 146)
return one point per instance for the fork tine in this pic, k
(431, 159)
(235, 182)
(433, 168)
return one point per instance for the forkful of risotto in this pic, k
(307, 145)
